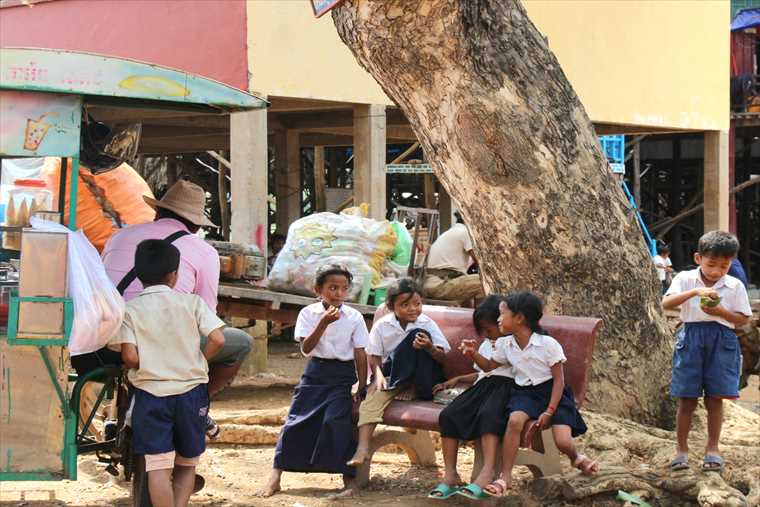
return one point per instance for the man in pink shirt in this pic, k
(179, 215)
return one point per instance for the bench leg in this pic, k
(546, 463)
(417, 444)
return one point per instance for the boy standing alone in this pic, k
(160, 343)
(707, 358)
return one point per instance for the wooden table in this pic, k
(246, 301)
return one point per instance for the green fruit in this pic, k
(709, 302)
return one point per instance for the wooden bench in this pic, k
(418, 418)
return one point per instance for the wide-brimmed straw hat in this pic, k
(187, 200)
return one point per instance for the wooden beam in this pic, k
(292, 175)
(637, 174)
(281, 185)
(327, 119)
(406, 153)
(220, 159)
(224, 207)
(319, 178)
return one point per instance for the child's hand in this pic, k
(544, 421)
(449, 384)
(358, 396)
(716, 311)
(422, 342)
(468, 347)
(708, 292)
(331, 315)
(379, 384)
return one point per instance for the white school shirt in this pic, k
(387, 333)
(486, 350)
(533, 364)
(340, 338)
(661, 273)
(733, 297)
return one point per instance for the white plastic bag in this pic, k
(98, 306)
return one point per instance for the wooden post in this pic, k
(280, 178)
(369, 158)
(445, 209)
(637, 174)
(250, 161)
(319, 178)
(224, 208)
(293, 177)
(716, 183)
(428, 188)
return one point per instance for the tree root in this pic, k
(708, 489)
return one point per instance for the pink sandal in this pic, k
(497, 488)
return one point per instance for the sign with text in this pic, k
(321, 7)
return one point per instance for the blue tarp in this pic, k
(746, 18)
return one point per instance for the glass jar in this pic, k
(27, 196)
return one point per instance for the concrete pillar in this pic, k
(369, 158)
(716, 184)
(248, 188)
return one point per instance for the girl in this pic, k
(406, 350)
(478, 413)
(539, 392)
(318, 434)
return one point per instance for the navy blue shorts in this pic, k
(706, 361)
(170, 423)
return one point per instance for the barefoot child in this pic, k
(539, 391)
(707, 357)
(406, 350)
(479, 413)
(318, 435)
(160, 343)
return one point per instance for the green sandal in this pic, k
(473, 492)
(443, 492)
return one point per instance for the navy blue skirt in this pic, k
(533, 400)
(479, 410)
(318, 435)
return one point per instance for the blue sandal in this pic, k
(473, 492)
(443, 492)
(712, 463)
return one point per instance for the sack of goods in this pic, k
(363, 245)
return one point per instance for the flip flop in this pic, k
(472, 491)
(443, 492)
(712, 463)
(498, 484)
(680, 462)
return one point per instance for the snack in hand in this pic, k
(709, 302)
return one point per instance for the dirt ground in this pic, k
(234, 472)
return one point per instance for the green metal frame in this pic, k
(13, 310)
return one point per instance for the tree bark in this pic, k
(514, 147)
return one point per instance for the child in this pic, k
(663, 264)
(160, 343)
(406, 350)
(707, 358)
(478, 413)
(539, 391)
(318, 435)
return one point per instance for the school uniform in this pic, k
(533, 380)
(401, 363)
(707, 356)
(482, 408)
(170, 395)
(318, 434)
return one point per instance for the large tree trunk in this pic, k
(513, 146)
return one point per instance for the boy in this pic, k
(160, 343)
(707, 358)
(663, 264)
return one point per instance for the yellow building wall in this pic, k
(662, 63)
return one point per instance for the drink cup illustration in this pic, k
(35, 133)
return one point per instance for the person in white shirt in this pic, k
(479, 413)
(664, 265)
(446, 274)
(707, 358)
(407, 351)
(318, 433)
(539, 393)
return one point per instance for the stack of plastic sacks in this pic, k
(363, 245)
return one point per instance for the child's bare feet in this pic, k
(360, 456)
(350, 490)
(272, 486)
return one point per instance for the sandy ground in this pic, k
(234, 472)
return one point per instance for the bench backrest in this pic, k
(577, 335)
